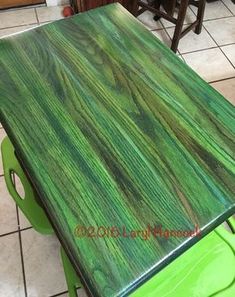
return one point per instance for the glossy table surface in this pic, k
(114, 130)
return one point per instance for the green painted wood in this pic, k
(115, 130)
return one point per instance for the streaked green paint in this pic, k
(115, 130)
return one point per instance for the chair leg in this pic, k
(179, 24)
(157, 4)
(200, 15)
(132, 6)
(73, 281)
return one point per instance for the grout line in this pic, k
(232, 43)
(160, 21)
(221, 18)
(204, 49)
(22, 262)
(13, 232)
(59, 294)
(2, 10)
(210, 82)
(218, 47)
(182, 58)
(157, 29)
(26, 228)
(226, 57)
(214, 19)
(199, 50)
(171, 41)
(18, 26)
(219, 80)
(9, 233)
(166, 31)
(228, 7)
(167, 34)
(35, 10)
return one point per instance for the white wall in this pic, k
(56, 2)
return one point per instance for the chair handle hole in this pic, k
(18, 185)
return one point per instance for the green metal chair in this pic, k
(31, 209)
(28, 204)
(206, 268)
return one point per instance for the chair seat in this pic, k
(205, 269)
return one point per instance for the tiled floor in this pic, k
(29, 262)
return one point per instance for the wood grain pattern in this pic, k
(115, 130)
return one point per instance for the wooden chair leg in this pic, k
(157, 4)
(132, 6)
(200, 15)
(179, 24)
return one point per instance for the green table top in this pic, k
(116, 131)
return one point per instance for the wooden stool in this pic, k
(169, 6)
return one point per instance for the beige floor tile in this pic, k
(146, 19)
(8, 217)
(193, 42)
(2, 136)
(43, 269)
(214, 10)
(190, 18)
(229, 51)
(226, 88)
(163, 37)
(210, 64)
(80, 292)
(44, 23)
(11, 278)
(230, 5)
(222, 30)
(9, 31)
(47, 14)
(17, 18)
